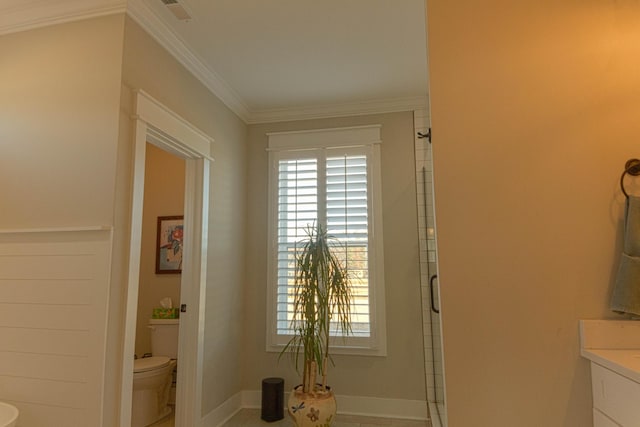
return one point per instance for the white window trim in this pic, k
(281, 144)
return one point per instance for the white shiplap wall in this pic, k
(53, 306)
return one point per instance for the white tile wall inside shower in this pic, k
(428, 258)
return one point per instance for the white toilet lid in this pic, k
(150, 363)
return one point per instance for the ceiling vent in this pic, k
(177, 9)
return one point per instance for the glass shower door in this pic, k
(434, 370)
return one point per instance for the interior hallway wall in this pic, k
(535, 108)
(399, 375)
(148, 66)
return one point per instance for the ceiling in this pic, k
(272, 60)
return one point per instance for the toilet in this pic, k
(153, 376)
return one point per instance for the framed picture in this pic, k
(169, 244)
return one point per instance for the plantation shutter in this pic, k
(297, 208)
(347, 220)
(329, 177)
(343, 211)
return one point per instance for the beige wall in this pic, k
(535, 109)
(59, 100)
(148, 66)
(59, 96)
(163, 196)
(66, 161)
(401, 374)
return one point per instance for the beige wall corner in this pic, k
(399, 375)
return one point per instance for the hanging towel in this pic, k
(626, 292)
(632, 227)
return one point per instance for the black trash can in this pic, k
(272, 399)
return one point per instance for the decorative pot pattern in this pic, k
(317, 409)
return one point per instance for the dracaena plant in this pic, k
(322, 299)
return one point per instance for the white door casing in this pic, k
(156, 124)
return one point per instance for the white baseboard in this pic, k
(435, 417)
(224, 412)
(348, 405)
(385, 408)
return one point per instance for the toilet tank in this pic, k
(164, 337)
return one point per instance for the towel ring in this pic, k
(631, 167)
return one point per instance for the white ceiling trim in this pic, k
(167, 37)
(22, 17)
(339, 110)
(148, 20)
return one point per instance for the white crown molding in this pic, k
(339, 110)
(153, 24)
(149, 20)
(21, 15)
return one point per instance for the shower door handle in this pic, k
(433, 303)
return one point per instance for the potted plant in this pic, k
(322, 301)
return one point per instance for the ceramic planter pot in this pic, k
(317, 409)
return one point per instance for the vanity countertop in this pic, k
(613, 344)
(625, 362)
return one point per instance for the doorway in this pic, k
(160, 281)
(157, 125)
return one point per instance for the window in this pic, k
(330, 176)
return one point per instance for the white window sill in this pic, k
(340, 349)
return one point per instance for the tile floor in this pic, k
(251, 418)
(168, 421)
